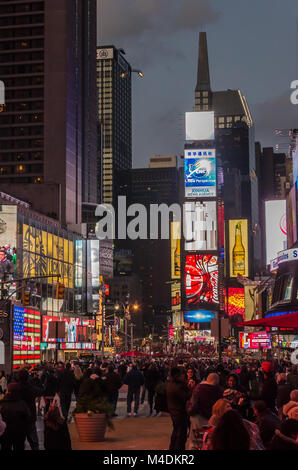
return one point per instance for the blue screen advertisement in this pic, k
(200, 173)
(198, 316)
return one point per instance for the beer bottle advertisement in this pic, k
(238, 237)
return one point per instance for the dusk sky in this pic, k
(252, 46)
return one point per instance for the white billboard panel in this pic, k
(199, 125)
(200, 226)
(276, 228)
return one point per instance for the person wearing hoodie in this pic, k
(16, 415)
(203, 398)
(287, 437)
(178, 394)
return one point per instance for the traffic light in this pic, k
(26, 298)
(60, 291)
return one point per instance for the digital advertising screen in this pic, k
(276, 228)
(238, 247)
(199, 125)
(254, 340)
(235, 301)
(175, 250)
(292, 216)
(26, 336)
(76, 330)
(199, 316)
(200, 173)
(201, 279)
(175, 296)
(200, 226)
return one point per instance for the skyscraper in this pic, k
(115, 116)
(235, 147)
(48, 137)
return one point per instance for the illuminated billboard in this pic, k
(199, 316)
(254, 340)
(201, 279)
(199, 125)
(175, 250)
(235, 303)
(238, 243)
(176, 296)
(200, 173)
(200, 226)
(276, 228)
(292, 216)
(76, 330)
(26, 336)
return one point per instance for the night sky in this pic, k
(253, 46)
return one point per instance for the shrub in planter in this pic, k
(92, 417)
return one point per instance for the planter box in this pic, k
(91, 428)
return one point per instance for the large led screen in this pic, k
(200, 173)
(292, 216)
(276, 228)
(254, 340)
(175, 250)
(76, 329)
(26, 336)
(199, 316)
(201, 279)
(200, 226)
(238, 237)
(199, 125)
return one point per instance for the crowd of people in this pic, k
(213, 406)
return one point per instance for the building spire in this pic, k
(203, 78)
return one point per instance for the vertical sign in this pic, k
(238, 247)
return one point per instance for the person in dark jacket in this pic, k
(283, 393)
(134, 379)
(268, 391)
(152, 378)
(122, 369)
(16, 415)
(204, 396)
(29, 393)
(113, 383)
(293, 377)
(287, 437)
(50, 385)
(56, 434)
(92, 386)
(244, 378)
(66, 386)
(267, 422)
(178, 394)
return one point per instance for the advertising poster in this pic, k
(200, 173)
(76, 330)
(199, 316)
(201, 279)
(235, 304)
(238, 247)
(8, 226)
(175, 250)
(199, 125)
(200, 226)
(26, 336)
(276, 228)
(254, 340)
(176, 296)
(292, 216)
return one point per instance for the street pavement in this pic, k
(130, 433)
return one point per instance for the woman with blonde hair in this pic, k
(78, 374)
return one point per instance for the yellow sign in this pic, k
(45, 254)
(238, 247)
(175, 250)
(249, 300)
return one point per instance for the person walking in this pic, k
(3, 382)
(283, 393)
(203, 398)
(134, 379)
(152, 378)
(16, 416)
(178, 393)
(113, 383)
(66, 386)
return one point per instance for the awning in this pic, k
(290, 320)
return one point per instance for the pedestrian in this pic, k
(283, 393)
(78, 375)
(66, 385)
(152, 377)
(56, 433)
(205, 394)
(29, 393)
(287, 437)
(293, 377)
(50, 386)
(3, 383)
(290, 410)
(134, 379)
(230, 433)
(113, 383)
(178, 394)
(267, 422)
(16, 415)
(268, 391)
